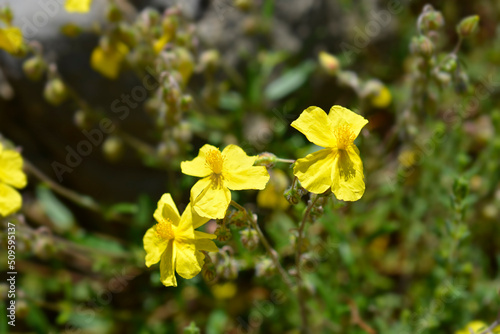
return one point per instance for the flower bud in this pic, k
(265, 268)
(238, 218)
(250, 239)
(114, 14)
(229, 270)
(55, 91)
(292, 196)
(422, 45)
(209, 61)
(430, 19)
(223, 233)
(113, 148)
(468, 26)
(329, 63)
(209, 271)
(6, 15)
(34, 68)
(266, 159)
(243, 5)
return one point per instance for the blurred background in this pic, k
(105, 105)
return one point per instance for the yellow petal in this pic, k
(235, 158)
(153, 246)
(206, 245)
(203, 235)
(251, 178)
(340, 116)
(11, 39)
(189, 221)
(160, 43)
(476, 326)
(167, 265)
(10, 200)
(210, 200)
(11, 169)
(198, 166)
(79, 6)
(167, 209)
(316, 126)
(109, 62)
(315, 170)
(187, 265)
(347, 176)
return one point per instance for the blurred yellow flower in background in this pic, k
(272, 196)
(174, 242)
(339, 165)
(11, 40)
(477, 326)
(382, 98)
(231, 169)
(225, 290)
(11, 176)
(78, 6)
(108, 61)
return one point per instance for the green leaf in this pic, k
(290, 81)
(58, 213)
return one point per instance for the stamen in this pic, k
(164, 229)
(345, 136)
(215, 160)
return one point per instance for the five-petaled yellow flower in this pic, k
(11, 40)
(11, 175)
(108, 61)
(337, 166)
(174, 242)
(223, 171)
(78, 6)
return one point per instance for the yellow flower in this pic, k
(476, 326)
(272, 196)
(382, 99)
(224, 290)
(11, 175)
(338, 166)
(108, 61)
(230, 170)
(78, 6)
(174, 242)
(11, 40)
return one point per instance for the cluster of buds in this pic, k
(249, 238)
(222, 232)
(317, 202)
(295, 193)
(265, 268)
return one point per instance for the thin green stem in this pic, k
(270, 250)
(288, 161)
(84, 201)
(298, 251)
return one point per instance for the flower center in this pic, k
(164, 229)
(345, 136)
(215, 160)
